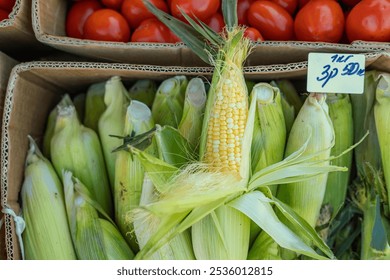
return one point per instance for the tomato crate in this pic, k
(49, 23)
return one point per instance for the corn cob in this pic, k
(77, 148)
(94, 105)
(51, 122)
(47, 234)
(111, 122)
(340, 112)
(382, 118)
(143, 91)
(168, 103)
(95, 238)
(129, 174)
(190, 125)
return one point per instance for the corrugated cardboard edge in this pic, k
(6, 65)
(264, 53)
(259, 73)
(16, 33)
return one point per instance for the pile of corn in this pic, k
(242, 170)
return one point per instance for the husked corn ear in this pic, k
(313, 123)
(340, 112)
(77, 148)
(47, 234)
(382, 121)
(94, 237)
(168, 103)
(51, 122)
(190, 125)
(143, 91)
(129, 173)
(112, 122)
(79, 104)
(94, 105)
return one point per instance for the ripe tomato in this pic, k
(289, 5)
(253, 34)
(271, 20)
(215, 22)
(107, 25)
(135, 11)
(151, 30)
(201, 9)
(242, 11)
(7, 5)
(302, 3)
(369, 20)
(77, 15)
(320, 21)
(3, 14)
(112, 4)
(350, 3)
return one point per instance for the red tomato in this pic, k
(153, 31)
(107, 25)
(350, 3)
(320, 21)
(7, 5)
(242, 10)
(174, 38)
(135, 11)
(369, 20)
(215, 22)
(289, 5)
(195, 8)
(77, 15)
(3, 14)
(253, 34)
(271, 20)
(112, 4)
(302, 3)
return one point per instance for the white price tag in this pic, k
(336, 73)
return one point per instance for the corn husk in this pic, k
(47, 234)
(94, 237)
(190, 125)
(340, 112)
(51, 122)
(77, 148)
(129, 174)
(94, 105)
(79, 104)
(289, 92)
(143, 91)
(112, 122)
(168, 103)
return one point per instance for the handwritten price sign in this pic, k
(338, 73)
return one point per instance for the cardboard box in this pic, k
(49, 27)
(17, 37)
(6, 65)
(36, 87)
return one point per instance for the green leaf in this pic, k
(259, 209)
(229, 11)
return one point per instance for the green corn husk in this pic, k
(168, 103)
(51, 122)
(264, 248)
(312, 122)
(269, 135)
(382, 121)
(364, 120)
(94, 237)
(79, 104)
(77, 148)
(47, 234)
(290, 94)
(250, 85)
(112, 122)
(94, 105)
(340, 112)
(190, 125)
(129, 174)
(143, 91)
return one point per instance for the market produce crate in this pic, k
(6, 64)
(49, 27)
(36, 87)
(16, 33)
